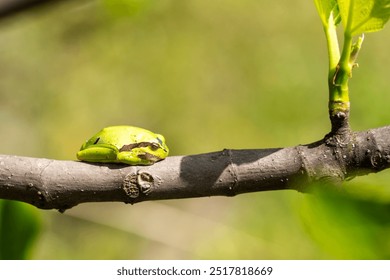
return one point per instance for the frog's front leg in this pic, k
(98, 153)
(133, 158)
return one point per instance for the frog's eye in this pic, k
(154, 146)
(97, 140)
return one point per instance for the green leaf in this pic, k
(19, 227)
(346, 226)
(360, 16)
(328, 11)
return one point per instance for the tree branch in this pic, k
(55, 184)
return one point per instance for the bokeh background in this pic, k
(207, 75)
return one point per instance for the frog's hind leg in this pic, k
(98, 154)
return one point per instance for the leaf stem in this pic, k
(338, 80)
(333, 45)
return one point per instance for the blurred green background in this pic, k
(207, 75)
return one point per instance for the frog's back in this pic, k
(124, 134)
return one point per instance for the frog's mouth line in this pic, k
(149, 157)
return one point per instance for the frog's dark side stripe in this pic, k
(129, 147)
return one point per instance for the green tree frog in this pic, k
(124, 144)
